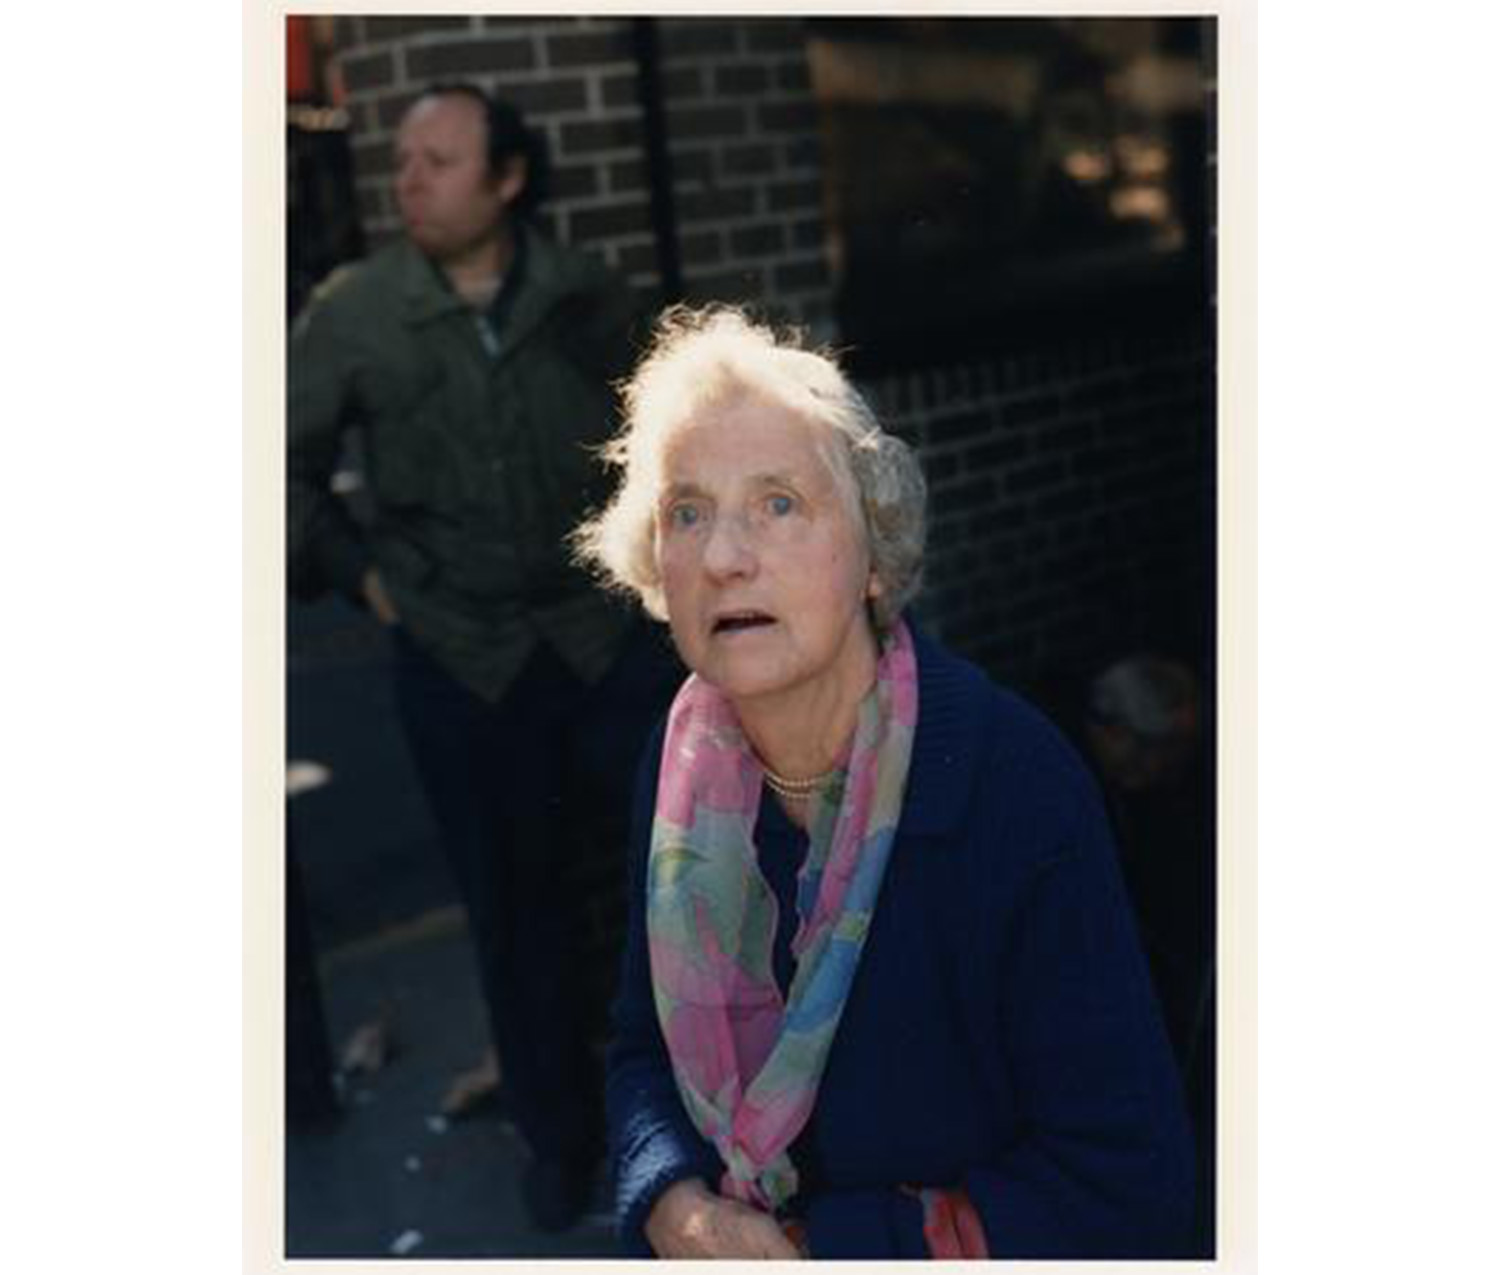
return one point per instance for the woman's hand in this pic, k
(690, 1221)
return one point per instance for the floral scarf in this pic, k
(748, 1065)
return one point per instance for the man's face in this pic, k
(450, 203)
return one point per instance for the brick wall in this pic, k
(1072, 491)
(744, 150)
(1070, 502)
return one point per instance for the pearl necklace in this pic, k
(796, 789)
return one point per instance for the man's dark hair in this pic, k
(507, 136)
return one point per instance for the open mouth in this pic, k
(741, 621)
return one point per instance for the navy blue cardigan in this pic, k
(1001, 1033)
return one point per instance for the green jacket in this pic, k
(475, 439)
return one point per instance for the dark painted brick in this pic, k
(639, 259)
(944, 534)
(706, 205)
(1158, 381)
(728, 285)
(799, 195)
(590, 48)
(1027, 410)
(747, 78)
(602, 223)
(750, 160)
(468, 57)
(772, 35)
(373, 158)
(985, 624)
(1067, 502)
(939, 469)
(1036, 476)
(966, 495)
(998, 452)
(807, 234)
(794, 76)
(950, 602)
(1070, 534)
(1101, 525)
(954, 382)
(371, 71)
(965, 424)
(787, 116)
(695, 166)
(389, 110)
(803, 152)
(1066, 436)
(544, 97)
(620, 90)
(383, 29)
(683, 83)
(627, 175)
(575, 181)
(708, 121)
(995, 524)
(703, 248)
(1126, 420)
(1005, 656)
(1098, 394)
(757, 241)
(1096, 462)
(682, 37)
(601, 135)
(510, 24)
(797, 275)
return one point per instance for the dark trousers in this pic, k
(525, 792)
(310, 1099)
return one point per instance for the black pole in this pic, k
(658, 159)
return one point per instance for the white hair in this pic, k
(703, 358)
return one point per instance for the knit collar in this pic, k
(945, 752)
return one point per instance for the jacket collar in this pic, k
(550, 276)
(946, 748)
(425, 294)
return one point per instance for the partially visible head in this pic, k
(705, 362)
(465, 165)
(1144, 722)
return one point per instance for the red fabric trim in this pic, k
(951, 1226)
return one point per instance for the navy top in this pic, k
(1001, 1033)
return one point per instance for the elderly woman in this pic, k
(881, 996)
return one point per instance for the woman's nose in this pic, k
(729, 551)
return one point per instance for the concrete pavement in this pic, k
(388, 1177)
(391, 1178)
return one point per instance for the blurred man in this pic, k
(473, 357)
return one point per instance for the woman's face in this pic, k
(765, 570)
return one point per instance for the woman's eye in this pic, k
(780, 505)
(683, 515)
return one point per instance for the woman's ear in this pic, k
(876, 587)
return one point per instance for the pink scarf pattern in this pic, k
(747, 1064)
